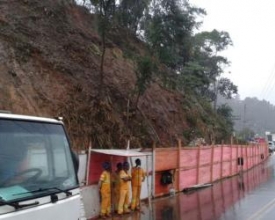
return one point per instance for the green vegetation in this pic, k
(145, 69)
(188, 61)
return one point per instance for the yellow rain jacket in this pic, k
(124, 193)
(105, 192)
(138, 176)
(116, 182)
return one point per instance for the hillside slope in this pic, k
(49, 66)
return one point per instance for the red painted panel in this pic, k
(211, 202)
(216, 172)
(204, 175)
(187, 178)
(217, 154)
(234, 152)
(188, 157)
(226, 152)
(159, 188)
(95, 168)
(248, 152)
(245, 158)
(249, 162)
(166, 159)
(234, 168)
(205, 156)
(240, 151)
(226, 166)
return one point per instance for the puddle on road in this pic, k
(205, 204)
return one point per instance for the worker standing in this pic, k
(116, 185)
(104, 185)
(138, 176)
(125, 178)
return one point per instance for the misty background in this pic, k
(251, 115)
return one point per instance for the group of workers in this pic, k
(118, 185)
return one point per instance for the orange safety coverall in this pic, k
(105, 192)
(116, 182)
(138, 176)
(124, 193)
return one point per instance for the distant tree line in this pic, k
(251, 116)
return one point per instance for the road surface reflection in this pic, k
(229, 199)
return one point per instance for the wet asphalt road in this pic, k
(250, 196)
(259, 202)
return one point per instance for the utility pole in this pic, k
(244, 121)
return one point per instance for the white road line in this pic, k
(257, 215)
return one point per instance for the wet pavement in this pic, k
(250, 196)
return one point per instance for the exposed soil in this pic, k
(49, 65)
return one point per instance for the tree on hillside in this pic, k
(168, 31)
(106, 10)
(131, 12)
(188, 62)
(202, 74)
(225, 122)
(224, 87)
(144, 72)
(227, 113)
(193, 60)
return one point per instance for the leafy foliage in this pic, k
(145, 69)
(131, 12)
(168, 30)
(226, 112)
(225, 125)
(226, 88)
(191, 62)
(245, 134)
(209, 65)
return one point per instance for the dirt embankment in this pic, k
(49, 65)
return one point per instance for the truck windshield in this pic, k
(34, 156)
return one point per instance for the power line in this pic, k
(269, 83)
(271, 88)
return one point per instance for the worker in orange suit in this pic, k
(125, 179)
(116, 186)
(138, 176)
(105, 190)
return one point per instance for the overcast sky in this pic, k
(251, 25)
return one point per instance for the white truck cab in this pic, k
(38, 170)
